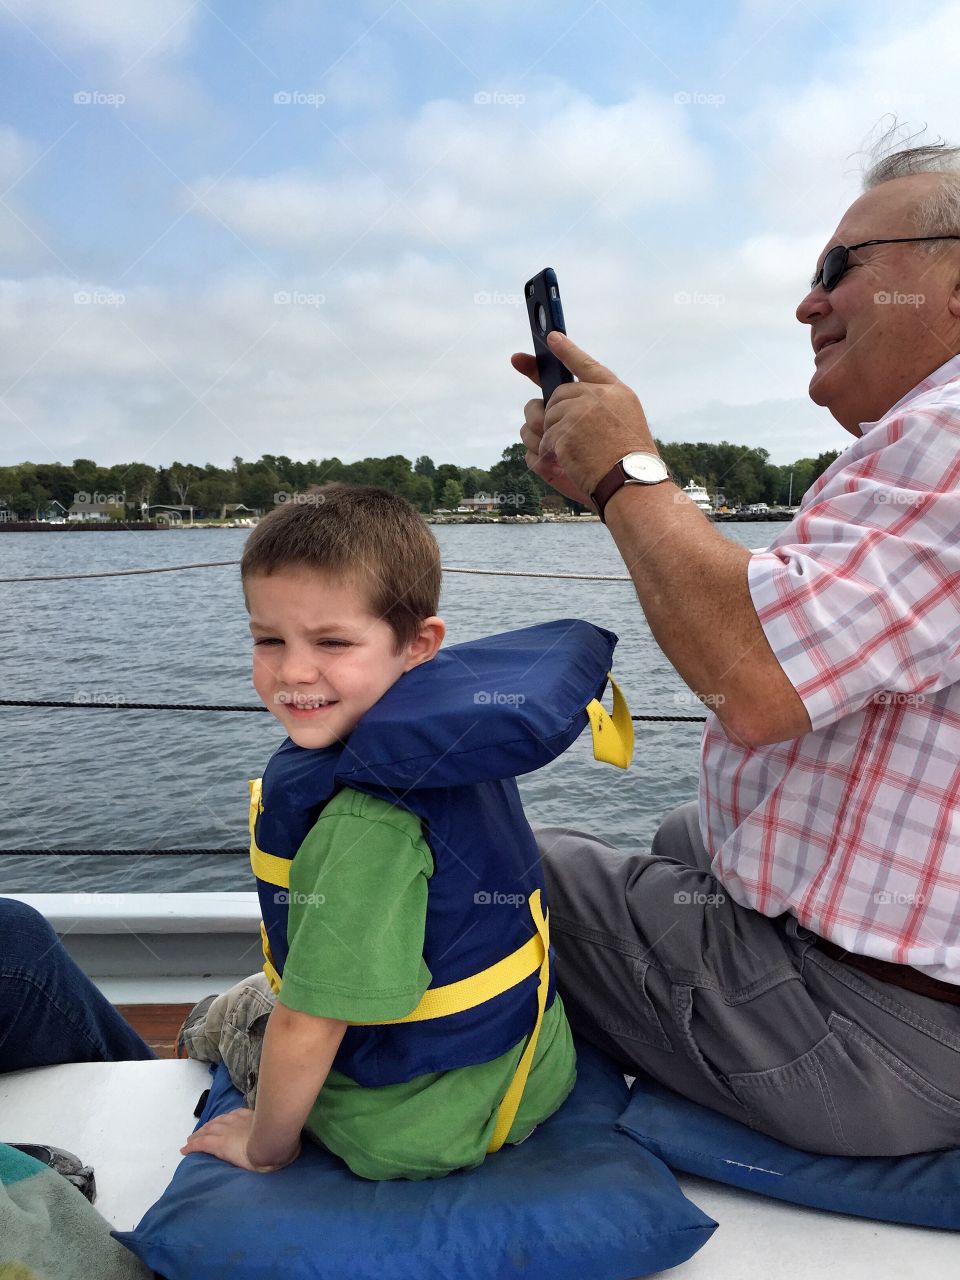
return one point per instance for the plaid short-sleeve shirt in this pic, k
(854, 828)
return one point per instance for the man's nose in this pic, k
(816, 303)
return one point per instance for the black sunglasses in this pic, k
(836, 264)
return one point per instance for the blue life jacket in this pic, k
(445, 743)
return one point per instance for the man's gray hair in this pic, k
(938, 213)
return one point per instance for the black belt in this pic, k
(899, 975)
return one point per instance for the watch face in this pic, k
(645, 467)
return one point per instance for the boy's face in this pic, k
(321, 659)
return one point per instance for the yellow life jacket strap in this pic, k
(436, 1002)
(612, 733)
(511, 1099)
(266, 866)
(456, 997)
(269, 968)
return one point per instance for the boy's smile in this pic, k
(321, 659)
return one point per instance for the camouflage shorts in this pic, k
(229, 1028)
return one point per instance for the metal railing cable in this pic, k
(120, 704)
(230, 851)
(221, 564)
(238, 851)
(116, 703)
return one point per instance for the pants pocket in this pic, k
(634, 1017)
(849, 1095)
(605, 988)
(796, 1102)
(904, 1112)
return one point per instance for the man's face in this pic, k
(895, 315)
(321, 659)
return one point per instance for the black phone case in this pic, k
(545, 314)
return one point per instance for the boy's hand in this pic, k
(227, 1137)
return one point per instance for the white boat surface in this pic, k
(168, 948)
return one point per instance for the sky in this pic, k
(304, 228)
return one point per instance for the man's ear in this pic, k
(953, 298)
(424, 645)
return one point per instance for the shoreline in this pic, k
(115, 526)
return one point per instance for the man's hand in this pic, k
(227, 1137)
(587, 426)
(544, 465)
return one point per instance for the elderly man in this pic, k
(789, 952)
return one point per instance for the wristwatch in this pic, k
(633, 468)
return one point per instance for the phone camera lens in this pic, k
(542, 317)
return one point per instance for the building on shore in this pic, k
(94, 509)
(481, 502)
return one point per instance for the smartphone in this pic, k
(546, 314)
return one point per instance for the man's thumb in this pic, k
(580, 364)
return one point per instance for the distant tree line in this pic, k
(742, 474)
(29, 489)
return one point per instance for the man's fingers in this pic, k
(533, 412)
(527, 365)
(531, 439)
(580, 364)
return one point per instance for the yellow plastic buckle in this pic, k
(612, 733)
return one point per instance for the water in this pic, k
(105, 778)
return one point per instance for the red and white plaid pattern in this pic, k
(854, 828)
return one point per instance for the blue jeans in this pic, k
(50, 1011)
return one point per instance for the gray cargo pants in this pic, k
(739, 1011)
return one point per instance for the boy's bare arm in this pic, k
(298, 1051)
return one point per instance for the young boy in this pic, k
(342, 589)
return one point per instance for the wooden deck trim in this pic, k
(158, 1024)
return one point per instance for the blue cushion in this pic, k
(923, 1190)
(576, 1200)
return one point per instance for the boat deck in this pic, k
(155, 955)
(136, 1115)
(158, 1024)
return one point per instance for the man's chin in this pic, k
(819, 393)
(819, 389)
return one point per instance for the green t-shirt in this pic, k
(357, 915)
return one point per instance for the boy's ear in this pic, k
(424, 645)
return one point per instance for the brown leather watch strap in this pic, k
(615, 479)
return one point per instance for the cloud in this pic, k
(406, 357)
(810, 147)
(462, 173)
(17, 153)
(18, 246)
(787, 429)
(131, 49)
(359, 293)
(127, 33)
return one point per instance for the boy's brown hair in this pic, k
(368, 535)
